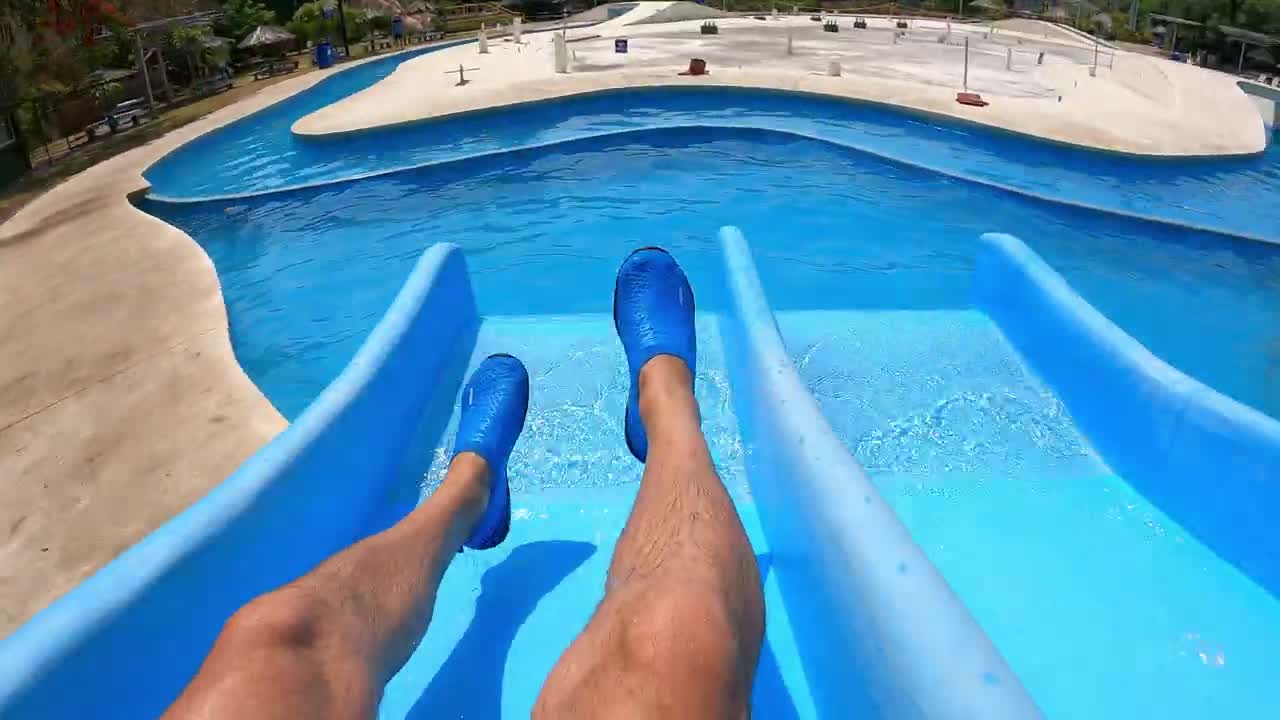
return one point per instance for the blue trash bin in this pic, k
(324, 55)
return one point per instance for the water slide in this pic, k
(858, 617)
(861, 621)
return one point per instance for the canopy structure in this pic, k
(264, 35)
(1247, 38)
(1175, 22)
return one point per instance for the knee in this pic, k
(286, 618)
(683, 626)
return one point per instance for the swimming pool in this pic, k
(1101, 603)
(869, 265)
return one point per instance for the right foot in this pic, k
(494, 404)
(653, 314)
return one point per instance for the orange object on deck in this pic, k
(697, 66)
(974, 99)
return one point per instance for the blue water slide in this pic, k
(1208, 461)
(859, 621)
(882, 632)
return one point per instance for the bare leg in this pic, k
(324, 645)
(678, 633)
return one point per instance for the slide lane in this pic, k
(859, 620)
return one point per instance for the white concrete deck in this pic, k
(120, 399)
(1137, 105)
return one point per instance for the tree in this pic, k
(51, 45)
(198, 46)
(240, 17)
(311, 22)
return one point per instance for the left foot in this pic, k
(494, 404)
(653, 314)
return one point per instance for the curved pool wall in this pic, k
(1210, 194)
(864, 601)
(124, 642)
(1210, 462)
(256, 145)
(890, 641)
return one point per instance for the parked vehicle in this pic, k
(127, 114)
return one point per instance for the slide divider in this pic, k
(125, 641)
(1212, 463)
(881, 633)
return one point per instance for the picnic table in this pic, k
(275, 67)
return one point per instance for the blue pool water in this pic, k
(1217, 194)
(1103, 605)
(307, 273)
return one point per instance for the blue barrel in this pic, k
(324, 55)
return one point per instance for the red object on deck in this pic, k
(974, 99)
(697, 66)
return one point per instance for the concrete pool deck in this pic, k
(1138, 105)
(121, 401)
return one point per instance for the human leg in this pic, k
(678, 633)
(324, 645)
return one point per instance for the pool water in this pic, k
(307, 273)
(1219, 194)
(1102, 605)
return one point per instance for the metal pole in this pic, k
(1095, 53)
(1240, 67)
(146, 77)
(966, 62)
(961, 8)
(342, 28)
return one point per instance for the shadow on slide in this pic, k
(469, 684)
(769, 695)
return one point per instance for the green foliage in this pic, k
(240, 17)
(197, 47)
(106, 93)
(43, 51)
(310, 24)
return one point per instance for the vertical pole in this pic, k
(164, 76)
(1095, 53)
(966, 62)
(961, 8)
(146, 77)
(1240, 67)
(342, 28)
(1173, 44)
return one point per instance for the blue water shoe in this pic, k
(494, 404)
(653, 314)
